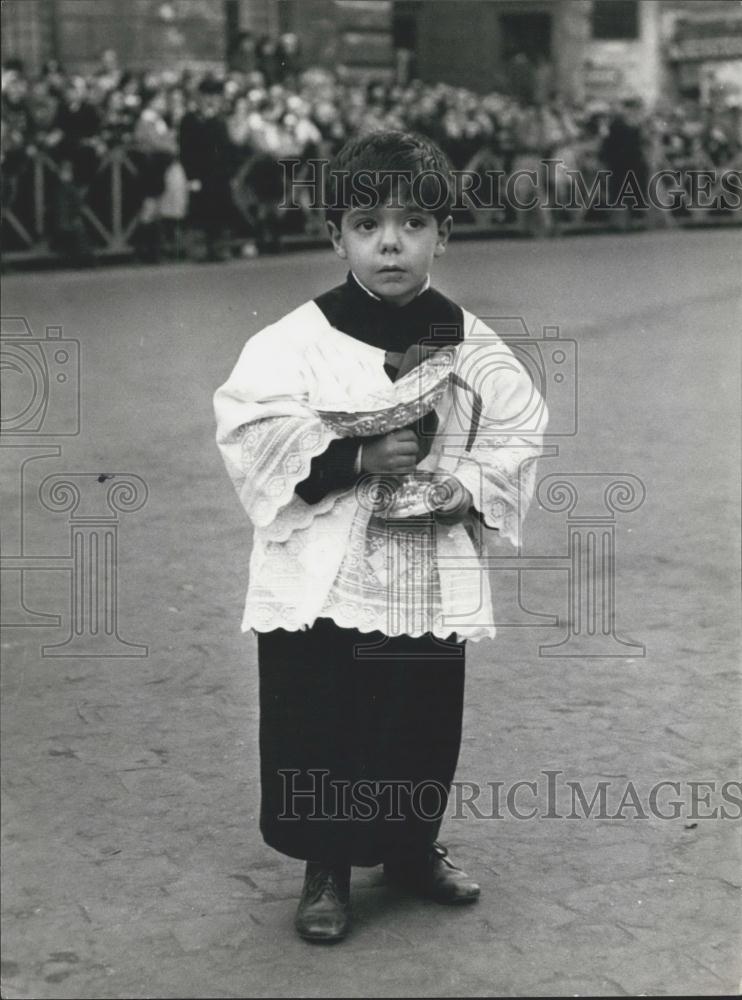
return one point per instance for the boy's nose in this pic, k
(390, 238)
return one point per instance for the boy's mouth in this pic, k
(391, 269)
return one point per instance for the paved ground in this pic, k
(132, 863)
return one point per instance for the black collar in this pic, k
(430, 317)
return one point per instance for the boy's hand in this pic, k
(451, 501)
(395, 452)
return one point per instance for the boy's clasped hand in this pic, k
(397, 453)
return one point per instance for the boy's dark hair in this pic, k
(372, 168)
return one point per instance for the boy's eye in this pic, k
(366, 225)
(415, 223)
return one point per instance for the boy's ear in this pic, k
(337, 239)
(444, 231)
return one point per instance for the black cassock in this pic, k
(360, 732)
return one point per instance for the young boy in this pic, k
(361, 613)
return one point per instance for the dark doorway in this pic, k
(231, 27)
(526, 51)
(404, 24)
(526, 34)
(405, 38)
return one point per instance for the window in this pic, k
(615, 19)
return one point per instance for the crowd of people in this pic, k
(205, 151)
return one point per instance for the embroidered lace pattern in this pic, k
(275, 454)
(388, 580)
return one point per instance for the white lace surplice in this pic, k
(337, 558)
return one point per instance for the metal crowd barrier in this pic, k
(31, 201)
(106, 210)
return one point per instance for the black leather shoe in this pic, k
(324, 908)
(434, 876)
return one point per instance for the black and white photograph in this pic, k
(370, 439)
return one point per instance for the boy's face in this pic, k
(390, 249)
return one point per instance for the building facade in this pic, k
(575, 49)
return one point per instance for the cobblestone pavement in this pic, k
(132, 862)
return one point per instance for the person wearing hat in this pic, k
(624, 153)
(205, 152)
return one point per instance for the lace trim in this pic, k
(265, 619)
(291, 445)
(501, 490)
(298, 515)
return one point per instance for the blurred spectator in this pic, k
(16, 120)
(108, 73)
(16, 139)
(205, 152)
(522, 78)
(76, 144)
(268, 60)
(155, 145)
(43, 107)
(289, 57)
(243, 56)
(624, 152)
(79, 122)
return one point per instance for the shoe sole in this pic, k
(322, 938)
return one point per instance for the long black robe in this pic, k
(358, 746)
